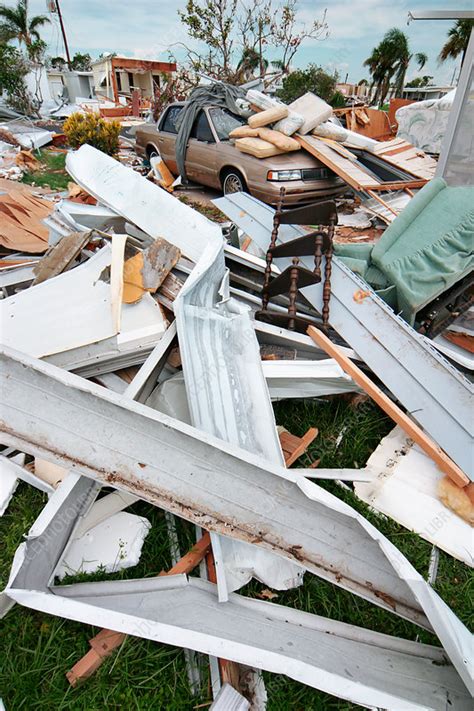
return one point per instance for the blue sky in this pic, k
(146, 28)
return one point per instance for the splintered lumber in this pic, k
(106, 641)
(405, 156)
(361, 117)
(350, 170)
(460, 501)
(147, 270)
(60, 257)
(440, 458)
(21, 227)
(352, 173)
(293, 447)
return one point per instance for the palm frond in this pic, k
(10, 14)
(458, 39)
(38, 21)
(421, 59)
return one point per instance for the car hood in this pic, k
(286, 161)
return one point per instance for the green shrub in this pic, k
(313, 78)
(92, 129)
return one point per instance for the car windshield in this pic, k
(224, 122)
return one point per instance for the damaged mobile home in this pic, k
(142, 348)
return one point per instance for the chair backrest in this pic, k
(319, 213)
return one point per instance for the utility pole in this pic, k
(63, 33)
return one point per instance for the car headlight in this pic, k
(281, 175)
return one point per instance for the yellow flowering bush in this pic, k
(92, 129)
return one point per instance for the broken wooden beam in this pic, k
(440, 457)
(294, 447)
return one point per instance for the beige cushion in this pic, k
(313, 109)
(284, 143)
(256, 147)
(243, 132)
(269, 116)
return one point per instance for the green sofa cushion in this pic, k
(425, 251)
(433, 251)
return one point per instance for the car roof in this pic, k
(208, 106)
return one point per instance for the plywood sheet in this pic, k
(405, 156)
(21, 227)
(353, 173)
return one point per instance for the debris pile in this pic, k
(140, 358)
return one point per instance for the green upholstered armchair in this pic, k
(426, 250)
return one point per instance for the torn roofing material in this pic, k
(216, 485)
(21, 216)
(404, 486)
(200, 240)
(439, 397)
(228, 397)
(364, 667)
(74, 309)
(141, 201)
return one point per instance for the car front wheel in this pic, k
(152, 152)
(233, 182)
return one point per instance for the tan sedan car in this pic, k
(213, 160)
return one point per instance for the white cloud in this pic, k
(145, 28)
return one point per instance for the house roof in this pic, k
(138, 63)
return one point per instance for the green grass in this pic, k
(37, 649)
(52, 173)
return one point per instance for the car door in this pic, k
(167, 132)
(201, 152)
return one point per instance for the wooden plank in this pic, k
(400, 185)
(463, 340)
(58, 258)
(352, 173)
(229, 671)
(382, 202)
(430, 448)
(339, 148)
(361, 116)
(390, 145)
(410, 159)
(147, 270)
(293, 447)
(192, 558)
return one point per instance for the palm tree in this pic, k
(458, 39)
(249, 62)
(377, 70)
(420, 57)
(390, 60)
(15, 24)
